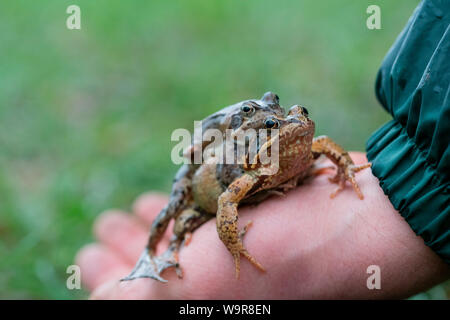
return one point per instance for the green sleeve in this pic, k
(410, 154)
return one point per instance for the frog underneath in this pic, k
(216, 190)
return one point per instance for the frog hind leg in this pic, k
(227, 217)
(149, 266)
(180, 198)
(186, 223)
(346, 168)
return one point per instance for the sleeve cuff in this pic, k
(412, 185)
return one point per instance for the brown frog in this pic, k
(229, 185)
(247, 114)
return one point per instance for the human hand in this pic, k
(312, 247)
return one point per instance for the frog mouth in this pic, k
(296, 128)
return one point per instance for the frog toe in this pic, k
(237, 260)
(237, 250)
(348, 174)
(167, 260)
(145, 268)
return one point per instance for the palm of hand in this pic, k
(311, 246)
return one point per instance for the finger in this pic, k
(98, 264)
(112, 290)
(122, 233)
(137, 289)
(148, 205)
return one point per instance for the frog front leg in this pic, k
(346, 169)
(227, 218)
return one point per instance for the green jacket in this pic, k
(410, 154)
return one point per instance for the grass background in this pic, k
(86, 115)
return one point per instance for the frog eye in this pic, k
(271, 123)
(247, 109)
(305, 111)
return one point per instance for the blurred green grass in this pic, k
(86, 115)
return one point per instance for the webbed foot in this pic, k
(167, 260)
(146, 267)
(151, 267)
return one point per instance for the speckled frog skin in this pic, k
(202, 192)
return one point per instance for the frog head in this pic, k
(251, 114)
(296, 124)
(244, 115)
(295, 131)
(291, 136)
